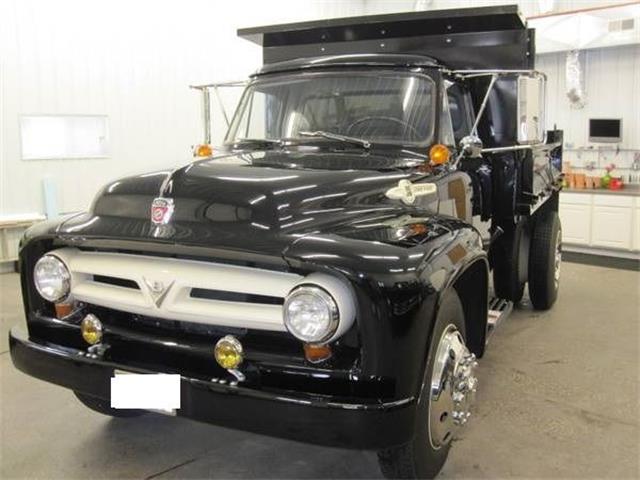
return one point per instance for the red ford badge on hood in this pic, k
(161, 210)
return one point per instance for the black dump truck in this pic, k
(322, 276)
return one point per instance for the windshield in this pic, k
(380, 107)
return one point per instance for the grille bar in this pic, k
(122, 282)
(235, 297)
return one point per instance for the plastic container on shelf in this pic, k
(616, 183)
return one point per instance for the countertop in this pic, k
(630, 190)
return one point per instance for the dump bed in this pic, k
(470, 38)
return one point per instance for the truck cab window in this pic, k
(380, 107)
(446, 126)
(461, 120)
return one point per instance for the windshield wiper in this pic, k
(336, 136)
(258, 141)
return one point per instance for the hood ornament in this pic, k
(162, 210)
(407, 192)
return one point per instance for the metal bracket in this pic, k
(206, 103)
(97, 350)
(238, 374)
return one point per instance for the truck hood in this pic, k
(263, 203)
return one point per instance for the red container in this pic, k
(616, 184)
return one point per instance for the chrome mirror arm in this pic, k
(471, 145)
(206, 104)
(483, 105)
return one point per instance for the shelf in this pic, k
(600, 149)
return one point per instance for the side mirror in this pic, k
(531, 105)
(471, 146)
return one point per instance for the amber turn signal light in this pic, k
(315, 353)
(203, 151)
(63, 309)
(439, 154)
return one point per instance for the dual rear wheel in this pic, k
(530, 252)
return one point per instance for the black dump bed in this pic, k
(468, 38)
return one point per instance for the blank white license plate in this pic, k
(158, 392)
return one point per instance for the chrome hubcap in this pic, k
(452, 389)
(558, 260)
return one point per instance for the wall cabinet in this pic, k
(600, 220)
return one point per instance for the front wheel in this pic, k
(545, 257)
(447, 391)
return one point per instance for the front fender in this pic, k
(399, 284)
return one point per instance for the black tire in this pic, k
(103, 406)
(505, 259)
(418, 458)
(545, 240)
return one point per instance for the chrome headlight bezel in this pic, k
(61, 274)
(333, 313)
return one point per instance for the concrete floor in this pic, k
(558, 398)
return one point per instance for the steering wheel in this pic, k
(397, 121)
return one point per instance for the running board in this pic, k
(499, 309)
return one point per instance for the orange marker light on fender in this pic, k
(439, 154)
(203, 151)
(316, 353)
(63, 309)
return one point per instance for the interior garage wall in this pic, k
(132, 61)
(611, 83)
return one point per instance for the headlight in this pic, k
(311, 314)
(51, 278)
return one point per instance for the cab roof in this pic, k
(389, 60)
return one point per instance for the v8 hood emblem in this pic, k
(157, 290)
(408, 192)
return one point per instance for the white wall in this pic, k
(612, 85)
(130, 60)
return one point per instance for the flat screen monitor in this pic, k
(605, 130)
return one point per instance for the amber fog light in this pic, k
(228, 352)
(91, 329)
